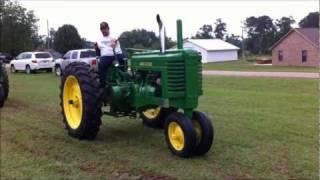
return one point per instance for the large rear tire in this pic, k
(80, 101)
(5, 82)
(2, 98)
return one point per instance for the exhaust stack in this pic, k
(162, 35)
(179, 35)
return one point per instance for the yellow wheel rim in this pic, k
(197, 128)
(72, 102)
(152, 113)
(176, 136)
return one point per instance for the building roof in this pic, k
(309, 34)
(212, 44)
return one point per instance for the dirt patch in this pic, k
(141, 175)
(155, 176)
(13, 106)
(89, 167)
(281, 165)
(95, 168)
(239, 177)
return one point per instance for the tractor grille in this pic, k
(176, 76)
(200, 77)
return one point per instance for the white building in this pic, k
(213, 50)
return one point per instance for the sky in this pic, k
(124, 15)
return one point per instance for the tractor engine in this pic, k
(122, 91)
(171, 79)
(165, 78)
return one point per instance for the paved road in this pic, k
(264, 74)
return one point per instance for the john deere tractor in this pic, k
(160, 86)
(4, 84)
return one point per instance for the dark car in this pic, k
(5, 57)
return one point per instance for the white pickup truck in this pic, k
(79, 55)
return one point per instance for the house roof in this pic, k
(212, 44)
(309, 34)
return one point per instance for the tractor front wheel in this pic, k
(155, 117)
(204, 132)
(180, 134)
(80, 101)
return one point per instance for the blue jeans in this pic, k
(104, 64)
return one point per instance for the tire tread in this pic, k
(91, 118)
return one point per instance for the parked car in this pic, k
(5, 57)
(79, 55)
(32, 61)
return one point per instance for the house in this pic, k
(213, 50)
(299, 47)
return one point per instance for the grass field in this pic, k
(244, 65)
(265, 128)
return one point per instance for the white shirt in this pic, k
(104, 44)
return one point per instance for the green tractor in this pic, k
(4, 84)
(162, 87)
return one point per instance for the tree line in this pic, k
(262, 31)
(18, 29)
(19, 32)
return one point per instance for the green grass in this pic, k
(265, 128)
(245, 65)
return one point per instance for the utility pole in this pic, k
(242, 42)
(48, 38)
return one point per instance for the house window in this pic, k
(304, 56)
(280, 55)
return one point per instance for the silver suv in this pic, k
(79, 55)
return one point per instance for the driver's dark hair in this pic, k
(104, 25)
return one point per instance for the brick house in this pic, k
(299, 47)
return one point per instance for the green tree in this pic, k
(220, 29)
(18, 29)
(38, 42)
(138, 38)
(205, 32)
(67, 38)
(87, 44)
(142, 39)
(235, 40)
(284, 25)
(261, 34)
(1, 21)
(49, 39)
(311, 20)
